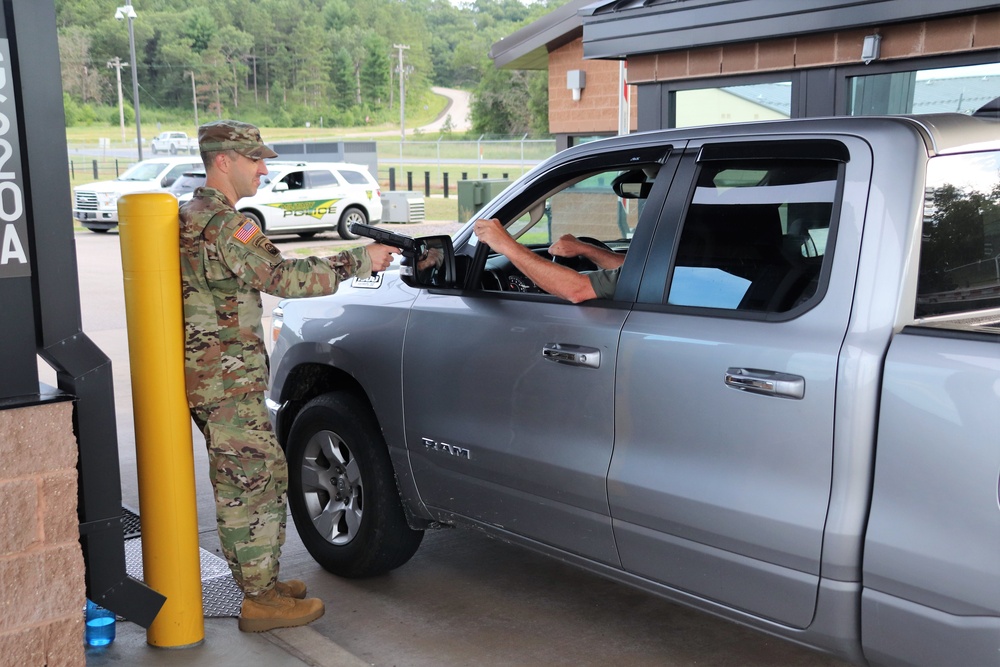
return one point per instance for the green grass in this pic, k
(92, 134)
(438, 208)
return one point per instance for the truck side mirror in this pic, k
(433, 266)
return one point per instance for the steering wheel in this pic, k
(580, 263)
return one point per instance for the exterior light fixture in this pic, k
(576, 80)
(871, 49)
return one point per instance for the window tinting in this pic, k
(755, 234)
(354, 177)
(960, 243)
(320, 178)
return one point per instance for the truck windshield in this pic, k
(960, 244)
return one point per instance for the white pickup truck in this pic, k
(95, 205)
(785, 412)
(173, 143)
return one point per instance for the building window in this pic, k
(944, 89)
(733, 104)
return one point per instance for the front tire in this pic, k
(342, 492)
(350, 216)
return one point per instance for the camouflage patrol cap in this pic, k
(223, 135)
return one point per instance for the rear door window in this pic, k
(756, 232)
(354, 177)
(320, 178)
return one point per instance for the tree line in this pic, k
(286, 63)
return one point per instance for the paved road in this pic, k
(464, 599)
(457, 110)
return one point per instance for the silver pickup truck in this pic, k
(787, 414)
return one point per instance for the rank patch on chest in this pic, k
(246, 232)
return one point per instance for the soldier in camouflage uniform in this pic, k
(226, 262)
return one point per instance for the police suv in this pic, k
(306, 198)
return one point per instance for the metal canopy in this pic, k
(619, 28)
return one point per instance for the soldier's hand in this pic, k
(381, 256)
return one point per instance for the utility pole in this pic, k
(253, 56)
(118, 64)
(402, 94)
(194, 97)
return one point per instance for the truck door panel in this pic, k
(508, 396)
(721, 476)
(504, 435)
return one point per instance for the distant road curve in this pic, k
(457, 110)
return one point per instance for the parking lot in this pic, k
(463, 599)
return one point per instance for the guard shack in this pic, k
(60, 486)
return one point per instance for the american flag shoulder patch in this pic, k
(246, 232)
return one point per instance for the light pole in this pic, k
(127, 12)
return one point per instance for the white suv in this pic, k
(305, 198)
(95, 205)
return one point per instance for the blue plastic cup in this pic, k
(100, 629)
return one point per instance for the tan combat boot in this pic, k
(293, 588)
(271, 610)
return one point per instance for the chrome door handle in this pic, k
(574, 355)
(767, 383)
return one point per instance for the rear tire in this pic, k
(351, 215)
(342, 491)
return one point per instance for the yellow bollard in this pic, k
(171, 565)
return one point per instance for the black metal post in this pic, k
(446, 185)
(83, 371)
(427, 184)
(409, 181)
(392, 178)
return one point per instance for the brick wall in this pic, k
(597, 108)
(958, 34)
(41, 565)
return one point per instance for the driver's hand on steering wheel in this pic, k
(566, 245)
